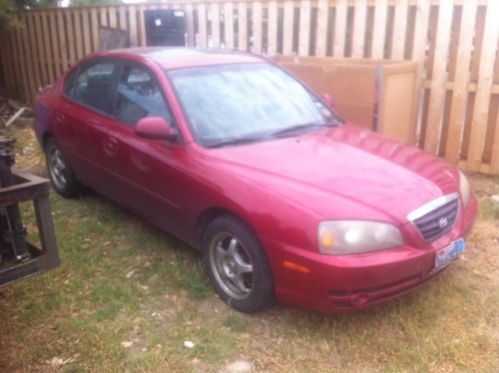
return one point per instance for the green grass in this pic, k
(85, 309)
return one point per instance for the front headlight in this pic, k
(356, 236)
(464, 188)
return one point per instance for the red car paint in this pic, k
(281, 188)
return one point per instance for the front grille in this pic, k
(438, 222)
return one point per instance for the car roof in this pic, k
(172, 58)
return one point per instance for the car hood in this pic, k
(347, 162)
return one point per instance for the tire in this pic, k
(59, 169)
(237, 265)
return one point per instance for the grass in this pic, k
(127, 296)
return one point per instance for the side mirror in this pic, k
(328, 100)
(155, 128)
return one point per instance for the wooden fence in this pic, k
(454, 42)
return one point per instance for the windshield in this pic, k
(229, 104)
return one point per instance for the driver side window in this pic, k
(138, 96)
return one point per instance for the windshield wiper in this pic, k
(238, 141)
(299, 128)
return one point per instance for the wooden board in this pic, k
(203, 38)
(379, 32)
(340, 28)
(321, 28)
(288, 27)
(228, 25)
(272, 22)
(132, 21)
(435, 110)
(49, 65)
(359, 29)
(399, 30)
(487, 59)
(215, 25)
(304, 35)
(257, 27)
(460, 87)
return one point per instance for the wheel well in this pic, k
(208, 216)
(45, 137)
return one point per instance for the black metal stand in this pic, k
(19, 258)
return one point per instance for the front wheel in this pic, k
(237, 265)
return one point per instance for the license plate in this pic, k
(449, 253)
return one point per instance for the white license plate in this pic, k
(448, 254)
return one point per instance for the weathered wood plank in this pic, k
(460, 87)
(132, 21)
(359, 29)
(321, 28)
(435, 109)
(400, 30)
(272, 22)
(215, 24)
(203, 35)
(486, 71)
(340, 28)
(379, 32)
(48, 47)
(94, 29)
(242, 26)
(288, 27)
(304, 34)
(229, 25)
(257, 27)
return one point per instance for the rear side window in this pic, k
(92, 86)
(69, 83)
(139, 96)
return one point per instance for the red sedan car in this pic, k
(231, 154)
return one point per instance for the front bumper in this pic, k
(352, 282)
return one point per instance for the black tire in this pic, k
(248, 291)
(59, 169)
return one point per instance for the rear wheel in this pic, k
(237, 265)
(60, 172)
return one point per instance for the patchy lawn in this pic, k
(127, 297)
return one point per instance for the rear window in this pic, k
(92, 85)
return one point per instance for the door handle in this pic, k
(111, 146)
(60, 117)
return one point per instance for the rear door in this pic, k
(85, 108)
